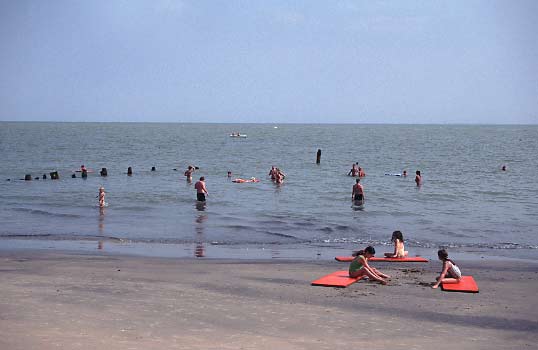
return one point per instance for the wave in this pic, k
(46, 213)
(432, 245)
(290, 240)
(283, 235)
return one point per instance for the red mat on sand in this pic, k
(336, 279)
(467, 284)
(406, 259)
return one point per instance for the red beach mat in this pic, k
(466, 284)
(339, 279)
(406, 259)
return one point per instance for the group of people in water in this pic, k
(277, 175)
(359, 266)
(356, 170)
(200, 185)
(357, 192)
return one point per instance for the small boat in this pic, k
(238, 135)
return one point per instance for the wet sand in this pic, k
(53, 300)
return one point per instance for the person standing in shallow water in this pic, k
(201, 190)
(188, 173)
(354, 170)
(272, 173)
(418, 178)
(357, 194)
(101, 196)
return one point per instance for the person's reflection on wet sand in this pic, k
(199, 250)
(101, 227)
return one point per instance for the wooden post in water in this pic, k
(318, 157)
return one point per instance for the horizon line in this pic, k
(264, 123)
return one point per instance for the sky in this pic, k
(458, 61)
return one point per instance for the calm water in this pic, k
(465, 202)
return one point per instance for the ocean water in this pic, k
(465, 202)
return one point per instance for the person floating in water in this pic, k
(357, 193)
(418, 178)
(503, 168)
(201, 190)
(361, 172)
(101, 196)
(404, 173)
(239, 180)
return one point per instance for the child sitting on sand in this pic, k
(450, 273)
(399, 250)
(102, 197)
(359, 266)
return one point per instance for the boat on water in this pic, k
(236, 134)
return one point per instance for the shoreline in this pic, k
(302, 252)
(55, 299)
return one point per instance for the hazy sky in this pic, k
(270, 61)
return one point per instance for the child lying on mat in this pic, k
(450, 273)
(359, 266)
(399, 250)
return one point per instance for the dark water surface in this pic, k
(466, 201)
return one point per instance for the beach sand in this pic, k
(61, 300)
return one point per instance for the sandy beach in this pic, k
(55, 300)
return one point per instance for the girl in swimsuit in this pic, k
(359, 266)
(451, 273)
(102, 197)
(399, 250)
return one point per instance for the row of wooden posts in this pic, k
(84, 174)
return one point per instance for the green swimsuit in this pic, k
(356, 264)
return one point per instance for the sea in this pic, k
(466, 202)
